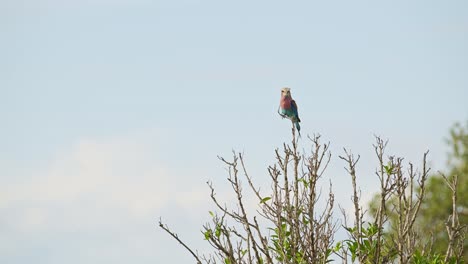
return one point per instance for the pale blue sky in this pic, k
(113, 112)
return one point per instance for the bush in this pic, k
(288, 227)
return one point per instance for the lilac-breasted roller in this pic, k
(288, 108)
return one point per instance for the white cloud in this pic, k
(92, 184)
(100, 200)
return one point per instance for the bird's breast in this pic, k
(285, 103)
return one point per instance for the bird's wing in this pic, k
(294, 108)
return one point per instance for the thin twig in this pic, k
(174, 235)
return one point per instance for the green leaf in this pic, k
(208, 234)
(305, 182)
(372, 230)
(389, 168)
(352, 246)
(337, 247)
(304, 220)
(265, 199)
(218, 231)
(299, 257)
(351, 229)
(367, 245)
(211, 213)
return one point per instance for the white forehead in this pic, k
(285, 89)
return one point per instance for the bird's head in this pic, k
(286, 92)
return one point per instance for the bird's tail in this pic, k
(298, 127)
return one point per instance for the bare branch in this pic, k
(176, 237)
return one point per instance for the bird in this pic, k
(288, 108)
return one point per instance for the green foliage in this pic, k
(281, 243)
(437, 204)
(363, 243)
(421, 258)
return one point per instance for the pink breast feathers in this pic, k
(285, 102)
